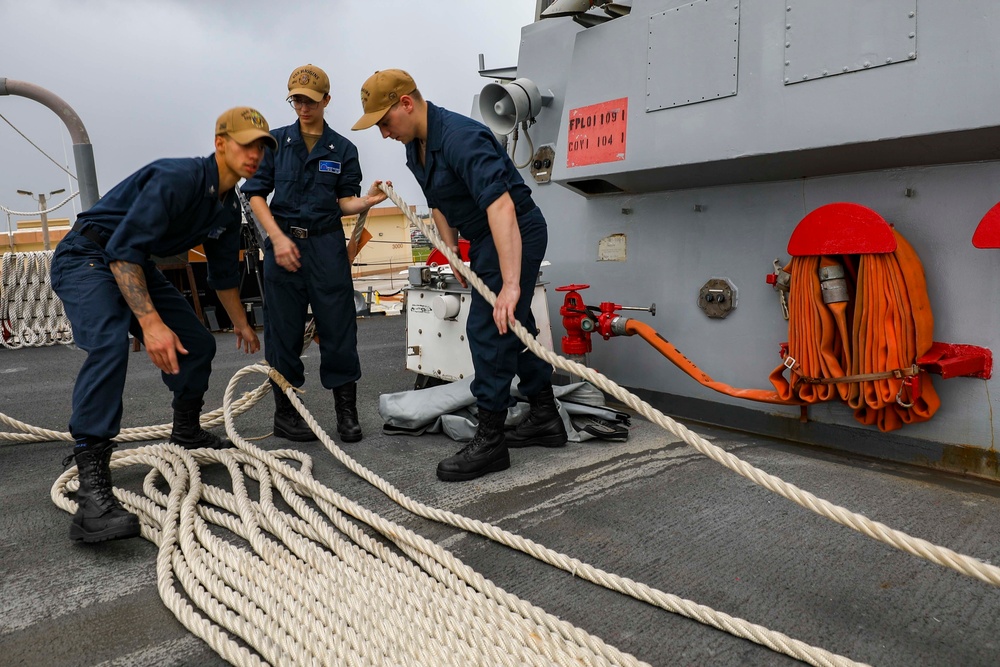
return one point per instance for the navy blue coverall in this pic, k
(306, 188)
(466, 169)
(165, 208)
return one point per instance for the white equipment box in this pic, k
(437, 309)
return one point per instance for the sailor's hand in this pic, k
(246, 338)
(286, 253)
(503, 311)
(375, 194)
(163, 346)
(454, 270)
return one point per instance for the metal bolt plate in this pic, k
(718, 297)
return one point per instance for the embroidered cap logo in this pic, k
(254, 118)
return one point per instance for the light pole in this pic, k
(42, 212)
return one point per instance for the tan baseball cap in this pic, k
(380, 92)
(310, 81)
(244, 125)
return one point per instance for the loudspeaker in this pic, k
(617, 9)
(504, 106)
(566, 8)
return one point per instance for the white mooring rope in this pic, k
(285, 584)
(310, 587)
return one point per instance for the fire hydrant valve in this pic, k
(576, 320)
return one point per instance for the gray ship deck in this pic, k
(649, 509)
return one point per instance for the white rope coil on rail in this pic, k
(31, 315)
(310, 622)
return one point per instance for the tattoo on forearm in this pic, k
(132, 282)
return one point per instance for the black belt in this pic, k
(303, 233)
(89, 232)
(525, 206)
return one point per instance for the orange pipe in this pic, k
(666, 348)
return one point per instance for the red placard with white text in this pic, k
(597, 133)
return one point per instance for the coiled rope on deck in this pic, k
(304, 593)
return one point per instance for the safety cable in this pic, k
(175, 520)
(71, 175)
(46, 211)
(513, 147)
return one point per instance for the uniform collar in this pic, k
(328, 140)
(435, 130)
(211, 176)
(211, 183)
(435, 127)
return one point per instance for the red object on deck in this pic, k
(950, 360)
(987, 234)
(841, 229)
(437, 258)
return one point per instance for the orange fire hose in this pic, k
(872, 368)
(664, 347)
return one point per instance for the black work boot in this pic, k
(288, 423)
(345, 399)
(543, 427)
(187, 431)
(99, 516)
(485, 453)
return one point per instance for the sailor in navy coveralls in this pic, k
(110, 286)
(472, 186)
(315, 176)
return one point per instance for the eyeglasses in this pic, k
(302, 103)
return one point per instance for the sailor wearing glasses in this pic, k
(315, 177)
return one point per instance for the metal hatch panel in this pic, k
(710, 67)
(823, 39)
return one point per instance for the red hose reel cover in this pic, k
(987, 234)
(843, 228)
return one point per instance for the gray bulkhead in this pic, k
(892, 104)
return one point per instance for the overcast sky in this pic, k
(149, 77)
